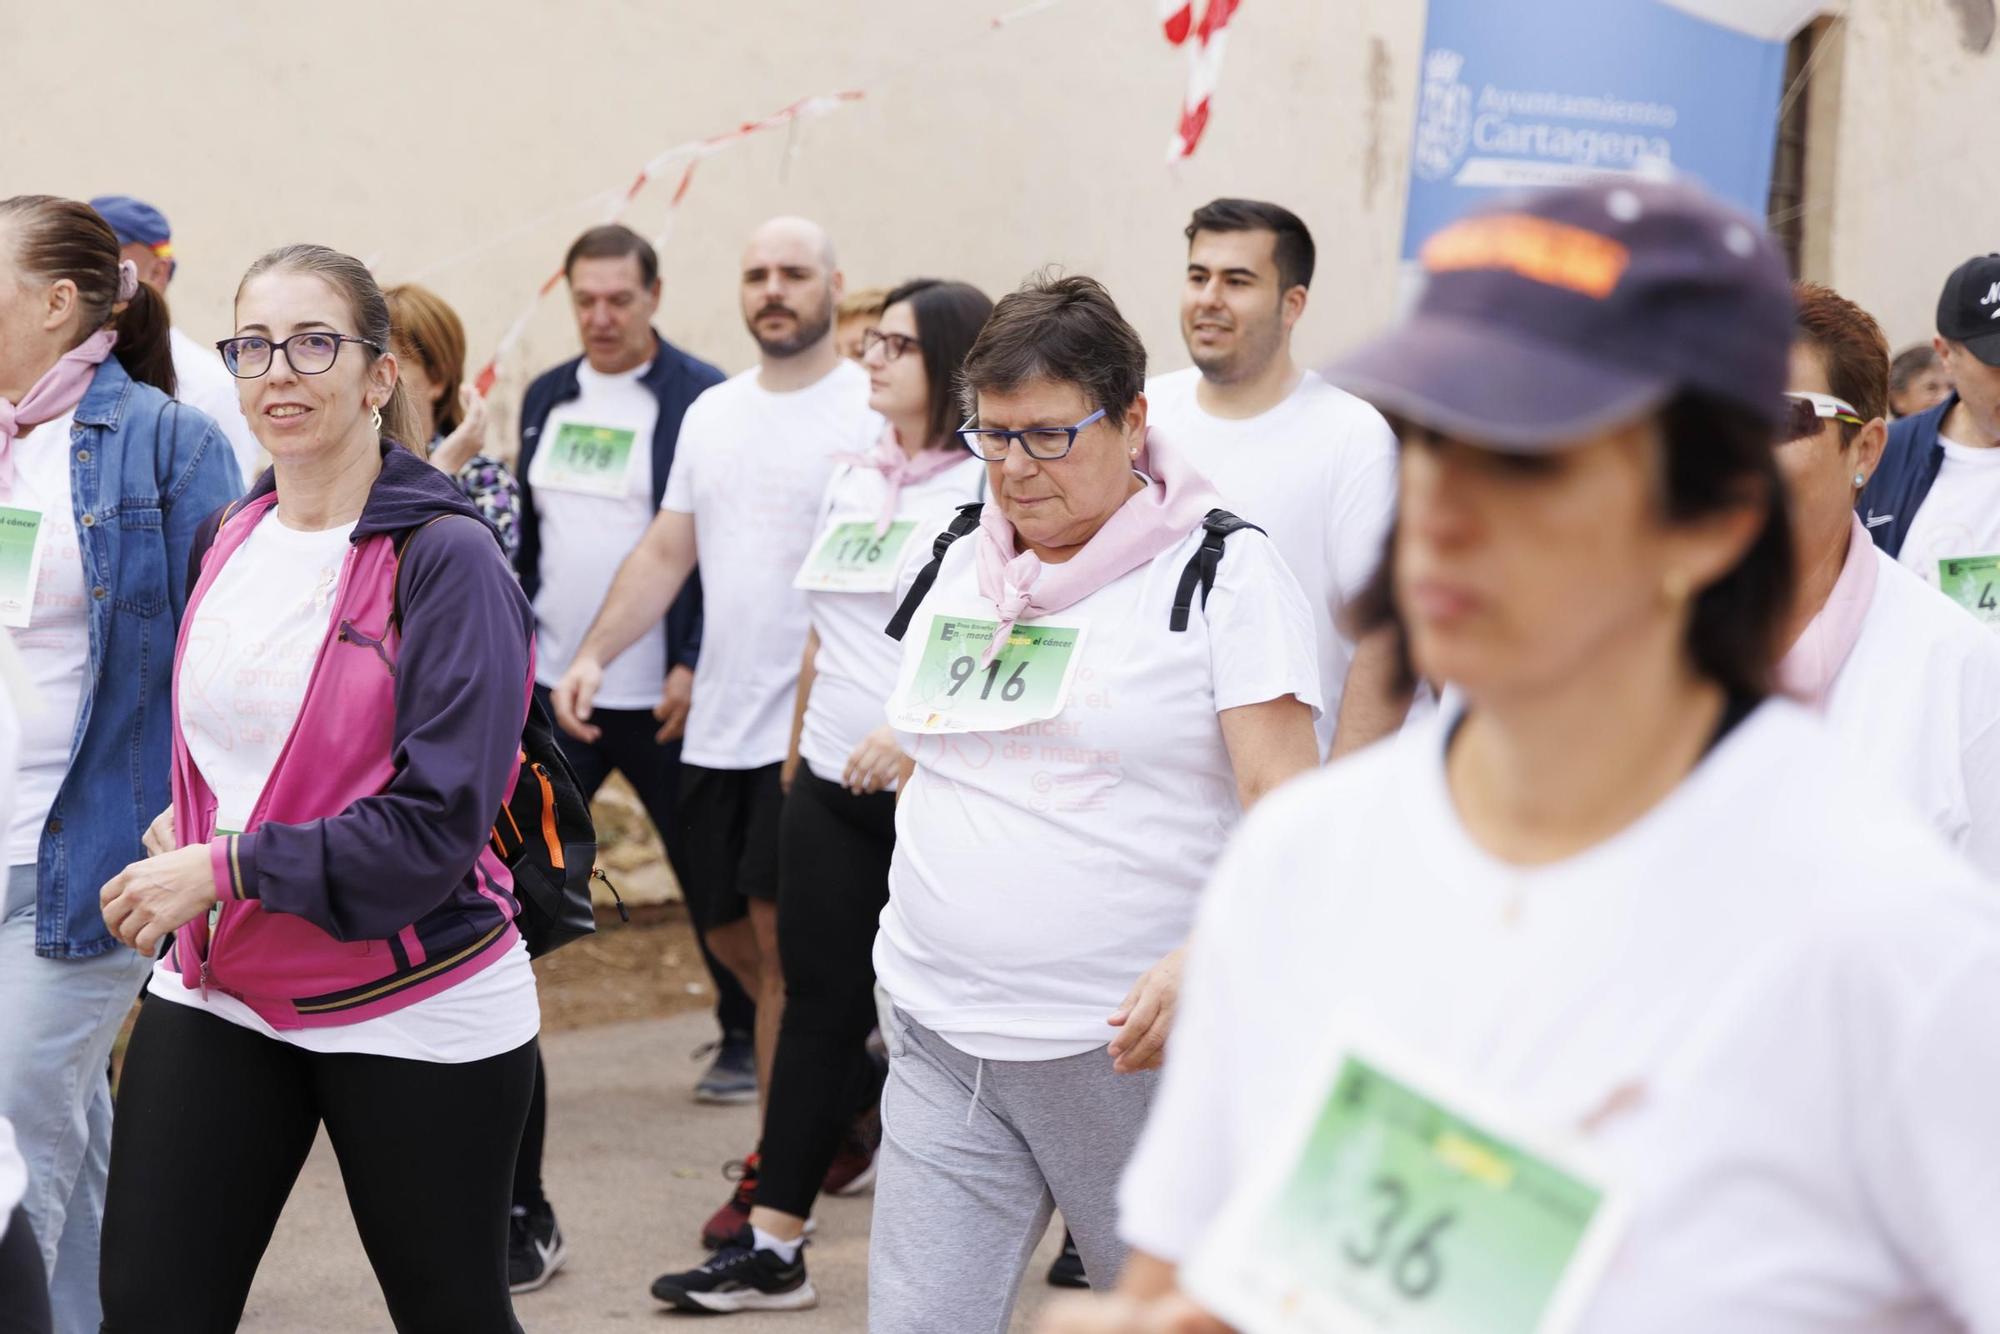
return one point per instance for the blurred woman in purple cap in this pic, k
(1616, 998)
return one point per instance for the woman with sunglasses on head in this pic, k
(350, 693)
(880, 512)
(429, 342)
(106, 478)
(1903, 676)
(1099, 673)
(1619, 997)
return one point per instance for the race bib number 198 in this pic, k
(1390, 1209)
(948, 685)
(589, 460)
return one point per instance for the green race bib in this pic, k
(588, 460)
(20, 564)
(1395, 1210)
(948, 686)
(850, 558)
(1973, 582)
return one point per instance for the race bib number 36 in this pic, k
(1397, 1212)
(853, 558)
(949, 685)
(590, 460)
(1973, 582)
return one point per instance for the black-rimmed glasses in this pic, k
(1047, 443)
(893, 345)
(311, 353)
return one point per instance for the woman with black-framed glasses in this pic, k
(350, 690)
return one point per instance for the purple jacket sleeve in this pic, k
(461, 699)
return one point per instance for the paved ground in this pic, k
(633, 1171)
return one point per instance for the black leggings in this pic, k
(214, 1123)
(24, 1285)
(833, 880)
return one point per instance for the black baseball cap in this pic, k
(1969, 308)
(1548, 316)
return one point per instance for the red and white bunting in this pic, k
(1202, 26)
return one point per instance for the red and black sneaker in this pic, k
(729, 1224)
(853, 1169)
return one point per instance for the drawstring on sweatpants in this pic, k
(978, 1082)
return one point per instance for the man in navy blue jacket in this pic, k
(1934, 501)
(597, 442)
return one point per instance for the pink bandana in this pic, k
(1809, 670)
(900, 469)
(60, 389)
(1153, 519)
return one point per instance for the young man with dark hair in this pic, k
(598, 437)
(1934, 503)
(1313, 466)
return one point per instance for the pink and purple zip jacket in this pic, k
(365, 881)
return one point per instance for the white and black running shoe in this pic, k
(738, 1278)
(535, 1247)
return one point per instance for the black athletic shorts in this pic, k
(729, 822)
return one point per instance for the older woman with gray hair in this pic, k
(1101, 670)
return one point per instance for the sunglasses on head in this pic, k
(1805, 411)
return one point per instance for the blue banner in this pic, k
(1547, 92)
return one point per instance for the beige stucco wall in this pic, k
(447, 141)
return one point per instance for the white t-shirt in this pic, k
(1918, 703)
(55, 645)
(13, 1175)
(751, 467)
(204, 383)
(855, 668)
(1039, 871)
(1960, 515)
(1775, 992)
(587, 533)
(250, 654)
(1318, 473)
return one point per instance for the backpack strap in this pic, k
(1216, 528)
(403, 540)
(962, 523)
(204, 538)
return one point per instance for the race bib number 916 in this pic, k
(949, 685)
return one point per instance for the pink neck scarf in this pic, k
(899, 469)
(1153, 519)
(60, 389)
(1809, 670)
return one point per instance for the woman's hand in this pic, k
(874, 763)
(160, 837)
(456, 450)
(163, 893)
(1146, 1017)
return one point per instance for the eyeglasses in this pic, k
(893, 345)
(1046, 443)
(1805, 411)
(306, 353)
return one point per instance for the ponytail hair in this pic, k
(58, 239)
(401, 423)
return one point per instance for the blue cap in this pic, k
(1550, 316)
(135, 221)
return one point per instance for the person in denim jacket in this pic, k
(107, 477)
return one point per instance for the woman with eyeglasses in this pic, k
(351, 687)
(880, 512)
(1619, 999)
(103, 480)
(1902, 675)
(1099, 672)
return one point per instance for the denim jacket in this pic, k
(144, 471)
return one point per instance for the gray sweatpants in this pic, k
(975, 1155)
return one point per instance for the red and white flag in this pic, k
(1202, 27)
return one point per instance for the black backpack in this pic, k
(1199, 571)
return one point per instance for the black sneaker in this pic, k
(535, 1247)
(738, 1278)
(732, 1077)
(1067, 1271)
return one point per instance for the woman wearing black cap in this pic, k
(1616, 995)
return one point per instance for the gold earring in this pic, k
(375, 416)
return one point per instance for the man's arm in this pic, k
(1371, 706)
(646, 585)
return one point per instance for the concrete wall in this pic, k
(443, 145)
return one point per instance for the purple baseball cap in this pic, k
(1549, 316)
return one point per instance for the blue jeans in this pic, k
(61, 1018)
